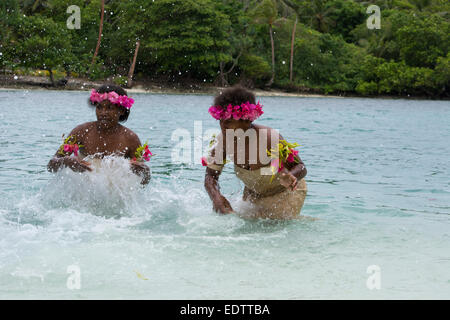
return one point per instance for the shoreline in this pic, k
(79, 84)
(16, 82)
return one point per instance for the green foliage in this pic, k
(185, 36)
(423, 41)
(326, 59)
(255, 67)
(206, 40)
(41, 43)
(121, 81)
(441, 74)
(381, 77)
(346, 15)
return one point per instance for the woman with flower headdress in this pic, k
(104, 137)
(269, 167)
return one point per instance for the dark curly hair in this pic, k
(235, 95)
(120, 91)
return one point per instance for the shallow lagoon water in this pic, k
(378, 182)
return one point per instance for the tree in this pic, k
(100, 29)
(266, 13)
(185, 37)
(345, 16)
(9, 14)
(42, 44)
(290, 8)
(319, 14)
(423, 40)
(133, 65)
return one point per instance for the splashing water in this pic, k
(110, 190)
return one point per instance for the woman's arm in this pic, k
(137, 167)
(60, 161)
(292, 172)
(141, 170)
(220, 203)
(297, 169)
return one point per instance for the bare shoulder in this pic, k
(81, 129)
(129, 134)
(269, 132)
(130, 138)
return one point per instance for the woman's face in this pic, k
(235, 124)
(108, 114)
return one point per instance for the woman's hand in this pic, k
(222, 205)
(141, 170)
(288, 180)
(76, 164)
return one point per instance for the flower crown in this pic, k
(246, 111)
(113, 97)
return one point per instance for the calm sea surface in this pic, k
(378, 182)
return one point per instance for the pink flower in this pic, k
(95, 97)
(246, 111)
(290, 158)
(147, 153)
(121, 100)
(113, 97)
(67, 148)
(204, 161)
(128, 102)
(75, 149)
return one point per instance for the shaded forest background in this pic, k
(321, 46)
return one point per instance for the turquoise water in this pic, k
(378, 181)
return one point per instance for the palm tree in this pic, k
(99, 34)
(266, 13)
(320, 15)
(290, 8)
(133, 64)
(286, 8)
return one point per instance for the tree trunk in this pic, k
(223, 81)
(51, 77)
(133, 64)
(99, 34)
(292, 50)
(273, 57)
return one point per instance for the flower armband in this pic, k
(70, 146)
(283, 153)
(143, 153)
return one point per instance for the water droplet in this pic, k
(16, 77)
(284, 62)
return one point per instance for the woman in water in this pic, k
(273, 191)
(103, 137)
